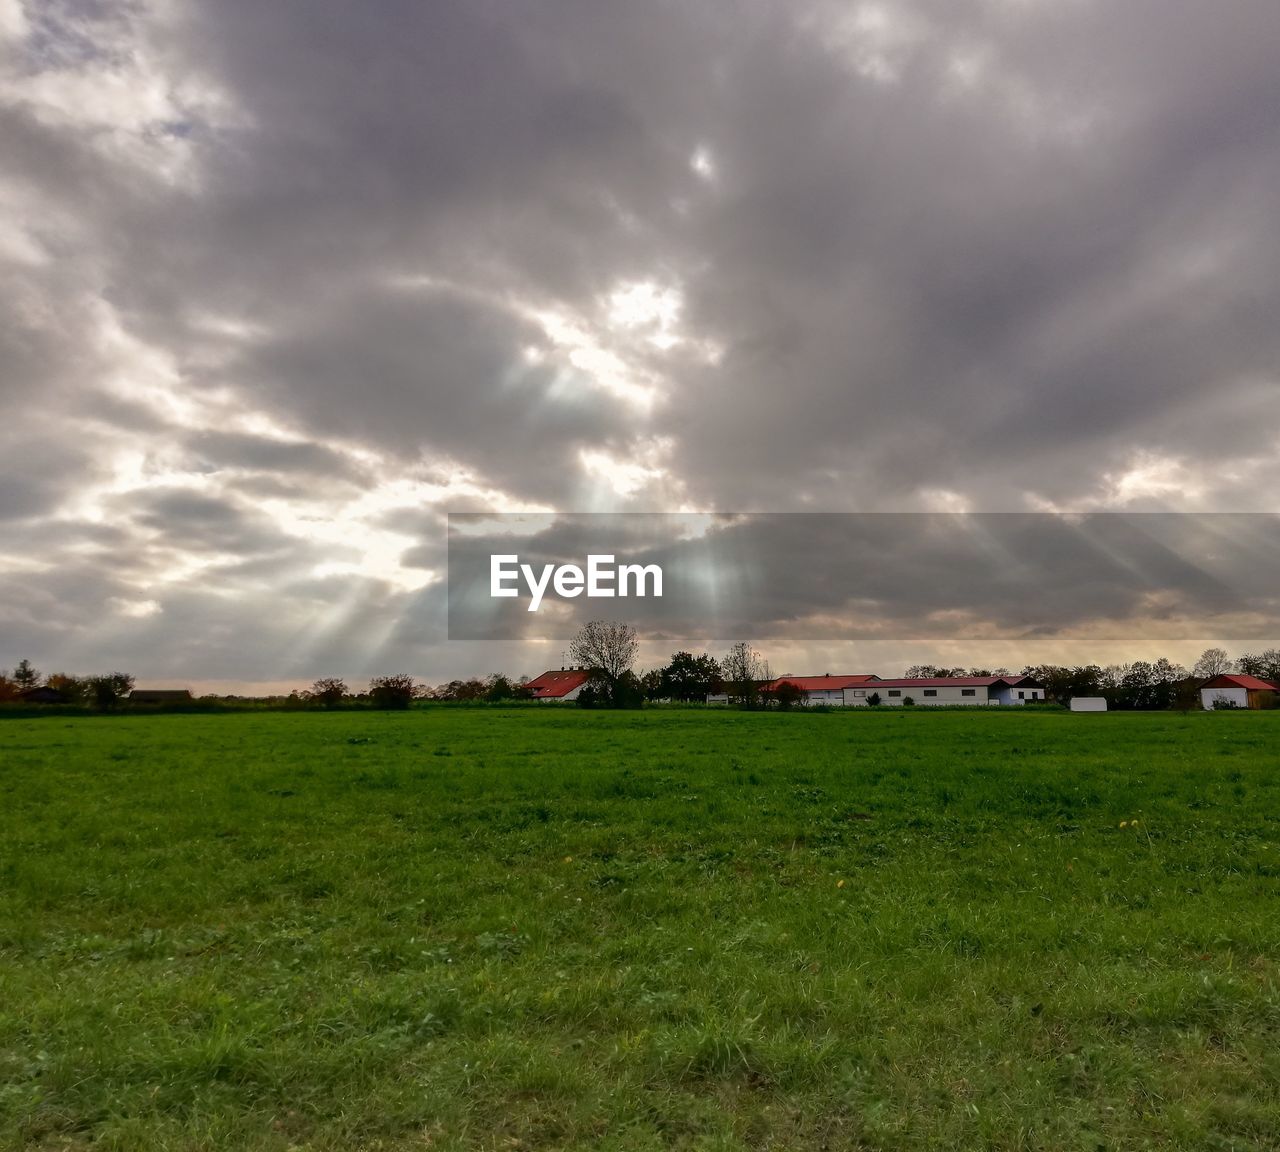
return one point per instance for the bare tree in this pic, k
(606, 647)
(743, 669)
(1213, 662)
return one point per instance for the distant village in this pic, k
(602, 675)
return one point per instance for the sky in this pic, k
(283, 285)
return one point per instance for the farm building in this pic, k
(818, 690)
(959, 690)
(45, 695)
(160, 696)
(1238, 691)
(562, 685)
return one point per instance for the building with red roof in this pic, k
(563, 685)
(818, 690)
(1231, 690)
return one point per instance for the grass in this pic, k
(536, 929)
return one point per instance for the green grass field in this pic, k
(536, 929)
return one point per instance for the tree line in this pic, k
(609, 650)
(104, 692)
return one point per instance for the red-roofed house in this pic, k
(1238, 691)
(562, 685)
(950, 690)
(818, 690)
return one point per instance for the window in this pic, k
(859, 693)
(930, 691)
(968, 691)
(895, 691)
(1022, 695)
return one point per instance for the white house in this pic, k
(955, 690)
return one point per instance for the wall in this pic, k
(1238, 696)
(945, 695)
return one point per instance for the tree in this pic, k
(608, 648)
(74, 687)
(624, 692)
(499, 688)
(473, 689)
(933, 671)
(743, 668)
(329, 691)
(26, 677)
(873, 701)
(1213, 662)
(690, 677)
(653, 686)
(108, 692)
(787, 694)
(1265, 666)
(392, 691)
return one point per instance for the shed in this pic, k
(1088, 703)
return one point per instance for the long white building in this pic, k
(978, 691)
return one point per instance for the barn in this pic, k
(1238, 691)
(564, 685)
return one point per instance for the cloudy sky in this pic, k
(282, 284)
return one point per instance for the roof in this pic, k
(959, 682)
(1252, 683)
(159, 695)
(818, 683)
(554, 685)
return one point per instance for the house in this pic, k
(45, 695)
(957, 690)
(820, 690)
(1239, 691)
(160, 696)
(562, 685)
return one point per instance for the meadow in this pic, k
(557, 929)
